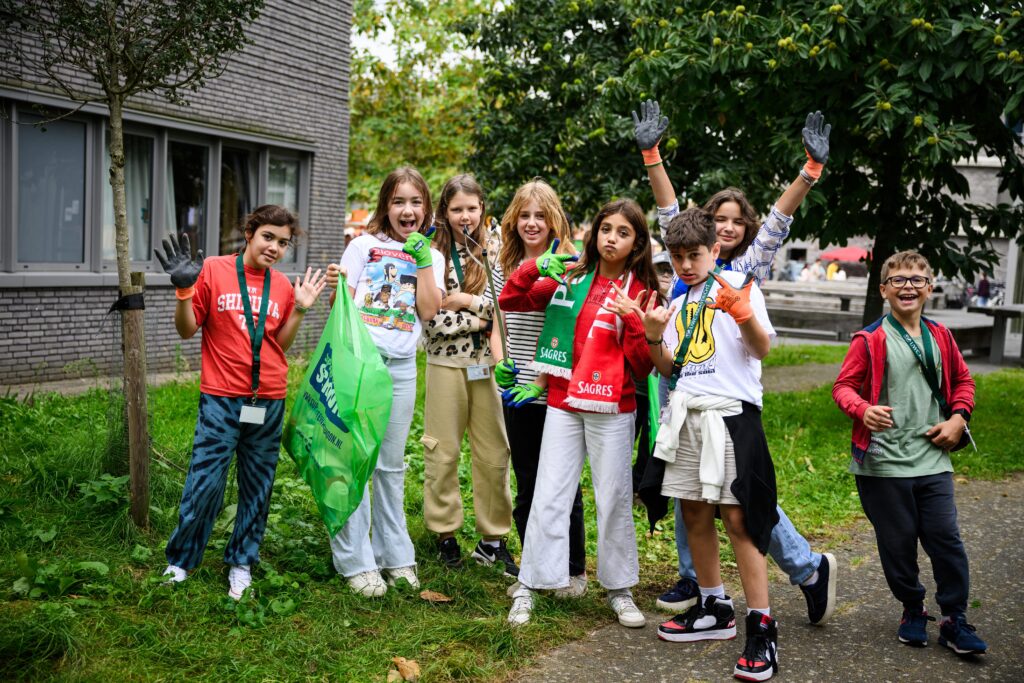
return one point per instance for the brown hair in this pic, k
(473, 276)
(379, 222)
(512, 249)
(270, 214)
(747, 213)
(692, 228)
(639, 260)
(906, 259)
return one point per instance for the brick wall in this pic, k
(291, 82)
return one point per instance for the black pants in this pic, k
(525, 427)
(905, 509)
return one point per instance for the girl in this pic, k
(250, 314)
(395, 278)
(460, 394)
(532, 221)
(747, 251)
(588, 353)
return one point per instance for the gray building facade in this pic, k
(272, 128)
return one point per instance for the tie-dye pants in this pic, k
(219, 435)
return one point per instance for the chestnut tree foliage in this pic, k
(911, 89)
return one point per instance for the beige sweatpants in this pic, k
(453, 404)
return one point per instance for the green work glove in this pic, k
(505, 373)
(552, 265)
(417, 245)
(519, 395)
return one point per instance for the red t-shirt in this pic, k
(227, 347)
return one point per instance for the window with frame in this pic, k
(51, 220)
(283, 175)
(138, 188)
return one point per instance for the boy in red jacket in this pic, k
(910, 394)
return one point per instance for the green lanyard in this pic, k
(255, 330)
(926, 359)
(457, 263)
(677, 362)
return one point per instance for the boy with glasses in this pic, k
(910, 394)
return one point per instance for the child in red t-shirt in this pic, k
(242, 383)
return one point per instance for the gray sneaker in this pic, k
(626, 610)
(577, 588)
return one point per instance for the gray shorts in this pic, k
(682, 477)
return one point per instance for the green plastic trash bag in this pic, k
(654, 410)
(341, 410)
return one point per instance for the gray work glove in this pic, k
(178, 263)
(815, 137)
(649, 126)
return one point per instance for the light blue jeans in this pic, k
(788, 548)
(353, 549)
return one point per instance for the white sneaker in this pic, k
(174, 574)
(577, 588)
(407, 573)
(626, 610)
(511, 590)
(368, 584)
(522, 606)
(239, 578)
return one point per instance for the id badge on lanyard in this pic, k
(477, 372)
(252, 413)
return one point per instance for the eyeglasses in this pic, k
(916, 281)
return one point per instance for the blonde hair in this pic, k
(905, 259)
(512, 248)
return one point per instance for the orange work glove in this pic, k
(735, 302)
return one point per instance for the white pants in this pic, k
(568, 438)
(352, 548)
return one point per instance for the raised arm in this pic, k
(648, 129)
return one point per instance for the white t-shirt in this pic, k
(717, 363)
(384, 278)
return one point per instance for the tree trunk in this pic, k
(132, 329)
(885, 233)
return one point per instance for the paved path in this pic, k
(859, 641)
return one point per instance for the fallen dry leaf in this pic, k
(409, 669)
(394, 676)
(434, 596)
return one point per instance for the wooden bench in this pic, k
(802, 333)
(1000, 315)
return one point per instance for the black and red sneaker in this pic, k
(714, 620)
(760, 658)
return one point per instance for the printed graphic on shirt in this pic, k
(702, 346)
(232, 302)
(390, 302)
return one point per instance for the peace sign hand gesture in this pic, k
(654, 316)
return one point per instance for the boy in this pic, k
(712, 439)
(902, 432)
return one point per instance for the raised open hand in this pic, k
(649, 126)
(815, 136)
(308, 289)
(178, 263)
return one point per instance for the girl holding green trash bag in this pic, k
(396, 279)
(249, 314)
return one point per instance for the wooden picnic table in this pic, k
(1000, 316)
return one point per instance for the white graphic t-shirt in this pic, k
(384, 278)
(717, 363)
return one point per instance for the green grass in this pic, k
(89, 625)
(784, 354)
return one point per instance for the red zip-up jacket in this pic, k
(525, 292)
(859, 384)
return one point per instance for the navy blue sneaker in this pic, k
(679, 597)
(913, 625)
(960, 637)
(821, 595)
